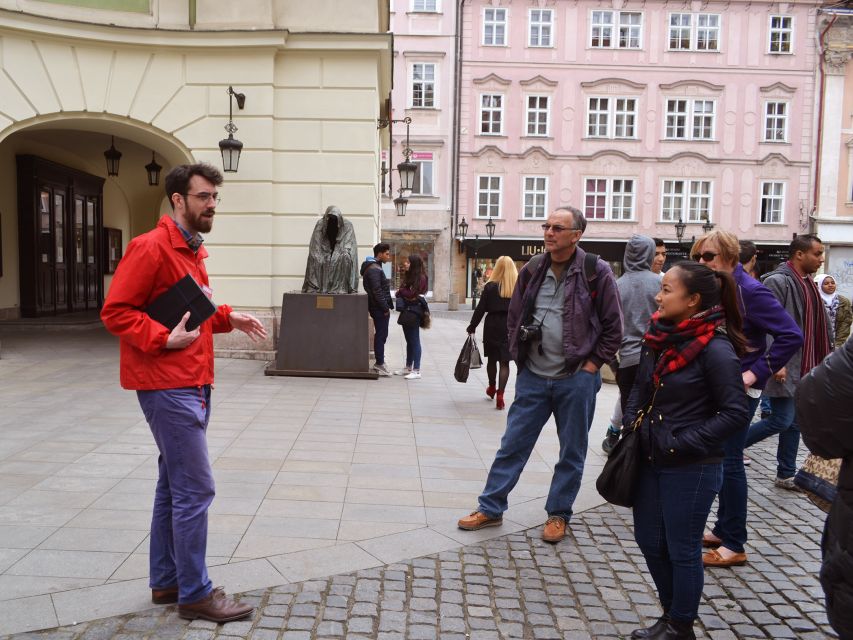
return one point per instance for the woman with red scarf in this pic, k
(691, 395)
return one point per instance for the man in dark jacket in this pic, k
(824, 416)
(379, 301)
(796, 291)
(564, 323)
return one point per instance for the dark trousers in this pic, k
(731, 512)
(178, 420)
(380, 324)
(625, 377)
(782, 420)
(670, 511)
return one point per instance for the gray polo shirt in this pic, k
(548, 311)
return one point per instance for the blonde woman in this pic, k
(495, 303)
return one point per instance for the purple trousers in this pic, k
(178, 420)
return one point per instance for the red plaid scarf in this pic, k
(816, 345)
(679, 344)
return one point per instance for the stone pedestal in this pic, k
(323, 335)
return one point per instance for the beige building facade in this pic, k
(151, 77)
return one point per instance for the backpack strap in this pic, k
(590, 263)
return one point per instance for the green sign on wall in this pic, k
(135, 6)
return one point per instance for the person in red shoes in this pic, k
(172, 374)
(494, 304)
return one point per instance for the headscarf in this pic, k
(829, 300)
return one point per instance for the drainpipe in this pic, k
(821, 48)
(457, 114)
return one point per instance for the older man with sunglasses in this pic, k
(762, 316)
(564, 323)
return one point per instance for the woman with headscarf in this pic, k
(837, 306)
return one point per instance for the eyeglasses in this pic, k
(557, 228)
(204, 196)
(707, 256)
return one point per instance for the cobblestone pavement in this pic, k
(591, 585)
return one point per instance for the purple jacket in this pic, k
(592, 329)
(763, 316)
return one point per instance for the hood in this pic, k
(369, 260)
(639, 253)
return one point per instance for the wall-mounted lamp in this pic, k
(679, 230)
(463, 231)
(153, 170)
(230, 146)
(407, 169)
(708, 226)
(113, 157)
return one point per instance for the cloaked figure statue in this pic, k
(332, 256)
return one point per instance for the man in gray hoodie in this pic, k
(637, 287)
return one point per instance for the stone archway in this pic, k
(74, 143)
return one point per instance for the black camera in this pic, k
(530, 332)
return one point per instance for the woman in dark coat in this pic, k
(688, 398)
(412, 290)
(826, 422)
(494, 304)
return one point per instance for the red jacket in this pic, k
(153, 263)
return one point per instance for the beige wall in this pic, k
(309, 130)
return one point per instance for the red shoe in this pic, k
(490, 391)
(499, 404)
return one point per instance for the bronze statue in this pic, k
(332, 256)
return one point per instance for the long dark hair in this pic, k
(415, 272)
(715, 288)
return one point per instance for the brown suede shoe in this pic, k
(713, 558)
(216, 607)
(169, 595)
(555, 529)
(478, 520)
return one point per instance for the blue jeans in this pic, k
(783, 421)
(571, 400)
(380, 324)
(178, 420)
(670, 510)
(731, 512)
(413, 347)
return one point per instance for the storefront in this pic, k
(404, 245)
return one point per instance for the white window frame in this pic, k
(537, 113)
(536, 194)
(611, 116)
(688, 193)
(690, 116)
(781, 31)
(772, 198)
(491, 110)
(611, 197)
(615, 27)
(693, 28)
(489, 191)
(494, 23)
(419, 178)
(777, 117)
(425, 83)
(436, 3)
(537, 26)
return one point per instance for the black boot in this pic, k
(676, 630)
(651, 632)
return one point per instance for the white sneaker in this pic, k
(413, 375)
(402, 372)
(381, 369)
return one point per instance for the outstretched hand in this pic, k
(180, 338)
(249, 325)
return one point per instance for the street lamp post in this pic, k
(477, 244)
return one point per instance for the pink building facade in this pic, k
(641, 114)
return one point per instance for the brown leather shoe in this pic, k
(216, 607)
(710, 541)
(169, 595)
(555, 529)
(479, 520)
(713, 558)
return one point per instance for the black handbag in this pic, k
(463, 362)
(408, 318)
(617, 482)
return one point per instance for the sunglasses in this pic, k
(557, 228)
(707, 256)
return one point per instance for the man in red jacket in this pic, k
(172, 374)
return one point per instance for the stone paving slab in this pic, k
(592, 585)
(314, 476)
